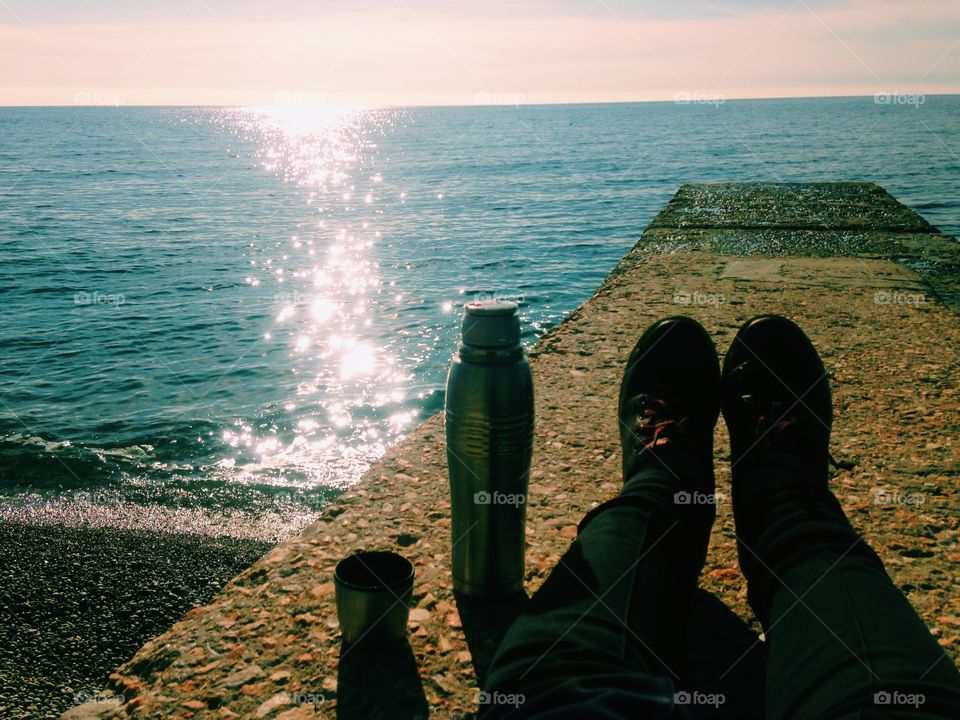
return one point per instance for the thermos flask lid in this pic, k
(491, 323)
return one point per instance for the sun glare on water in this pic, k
(350, 397)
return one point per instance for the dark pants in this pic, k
(604, 635)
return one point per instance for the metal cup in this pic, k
(373, 592)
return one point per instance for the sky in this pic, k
(450, 52)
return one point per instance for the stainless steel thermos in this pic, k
(489, 433)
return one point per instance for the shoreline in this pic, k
(269, 527)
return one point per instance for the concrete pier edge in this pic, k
(873, 284)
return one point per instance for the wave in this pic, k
(36, 461)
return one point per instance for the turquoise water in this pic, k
(216, 319)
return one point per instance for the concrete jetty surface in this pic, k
(871, 282)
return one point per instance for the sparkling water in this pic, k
(216, 319)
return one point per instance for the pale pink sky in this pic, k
(422, 52)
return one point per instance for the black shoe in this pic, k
(669, 403)
(776, 402)
(776, 395)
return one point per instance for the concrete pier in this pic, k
(874, 285)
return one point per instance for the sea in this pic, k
(214, 320)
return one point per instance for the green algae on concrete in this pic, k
(865, 287)
(798, 206)
(840, 219)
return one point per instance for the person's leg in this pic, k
(605, 627)
(726, 662)
(843, 641)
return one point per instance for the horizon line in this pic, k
(696, 98)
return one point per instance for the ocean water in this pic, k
(216, 319)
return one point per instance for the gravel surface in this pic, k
(75, 603)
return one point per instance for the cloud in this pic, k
(402, 55)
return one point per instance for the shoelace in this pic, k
(777, 418)
(657, 420)
(774, 416)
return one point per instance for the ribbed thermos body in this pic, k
(489, 435)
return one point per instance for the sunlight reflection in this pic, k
(357, 361)
(323, 309)
(351, 400)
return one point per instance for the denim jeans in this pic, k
(604, 635)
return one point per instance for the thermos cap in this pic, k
(491, 324)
